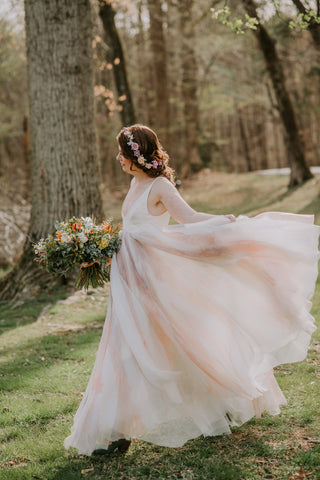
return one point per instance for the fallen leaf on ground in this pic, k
(301, 475)
(86, 470)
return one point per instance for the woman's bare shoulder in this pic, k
(163, 183)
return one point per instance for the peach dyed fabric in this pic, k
(199, 314)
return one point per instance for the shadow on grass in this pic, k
(312, 207)
(27, 360)
(245, 454)
(12, 315)
(198, 459)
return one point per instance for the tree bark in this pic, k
(143, 74)
(192, 161)
(159, 61)
(245, 143)
(259, 122)
(64, 161)
(116, 57)
(300, 172)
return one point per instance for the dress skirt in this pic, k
(198, 317)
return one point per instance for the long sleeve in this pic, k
(178, 208)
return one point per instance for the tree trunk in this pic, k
(159, 60)
(259, 121)
(143, 100)
(192, 161)
(244, 141)
(294, 144)
(234, 166)
(64, 162)
(116, 57)
(278, 142)
(26, 157)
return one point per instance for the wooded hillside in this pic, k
(204, 88)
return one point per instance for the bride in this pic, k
(199, 314)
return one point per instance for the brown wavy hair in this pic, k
(150, 148)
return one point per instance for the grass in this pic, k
(13, 317)
(48, 348)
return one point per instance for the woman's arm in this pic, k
(164, 192)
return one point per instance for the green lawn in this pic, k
(48, 348)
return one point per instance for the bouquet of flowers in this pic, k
(80, 241)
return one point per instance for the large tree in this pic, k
(116, 57)
(160, 69)
(64, 162)
(192, 161)
(300, 172)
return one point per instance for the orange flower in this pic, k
(106, 227)
(59, 234)
(108, 261)
(76, 226)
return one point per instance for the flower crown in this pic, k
(136, 152)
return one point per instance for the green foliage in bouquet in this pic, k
(80, 241)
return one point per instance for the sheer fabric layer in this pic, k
(198, 316)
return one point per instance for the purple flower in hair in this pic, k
(135, 147)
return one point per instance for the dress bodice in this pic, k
(138, 213)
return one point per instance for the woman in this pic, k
(199, 314)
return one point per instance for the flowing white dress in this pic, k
(198, 316)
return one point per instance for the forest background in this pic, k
(203, 88)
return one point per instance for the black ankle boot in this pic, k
(122, 445)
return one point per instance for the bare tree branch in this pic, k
(313, 27)
(299, 5)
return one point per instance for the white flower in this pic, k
(40, 246)
(87, 223)
(83, 238)
(65, 238)
(86, 219)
